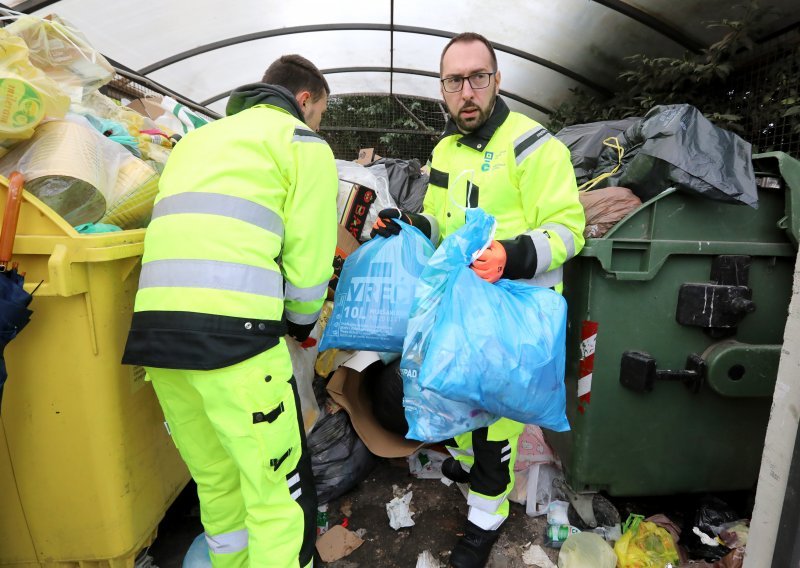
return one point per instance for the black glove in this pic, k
(298, 331)
(385, 226)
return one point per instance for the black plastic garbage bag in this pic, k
(585, 143)
(407, 183)
(339, 459)
(676, 146)
(385, 384)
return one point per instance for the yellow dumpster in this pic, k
(87, 468)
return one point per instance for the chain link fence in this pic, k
(770, 75)
(396, 127)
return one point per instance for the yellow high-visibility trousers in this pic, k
(240, 432)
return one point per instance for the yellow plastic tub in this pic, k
(87, 468)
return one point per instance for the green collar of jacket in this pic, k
(248, 96)
(480, 138)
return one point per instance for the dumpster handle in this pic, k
(10, 218)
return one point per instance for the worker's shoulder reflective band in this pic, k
(546, 279)
(526, 144)
(220, 204)
(434, 228)
(304, 135)
(309, 294)
(213, 274)
(566, 236)
(301, 319)
(227, 543)
(544, 254)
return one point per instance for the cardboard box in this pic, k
(148, 107)
(348, 389)
(366, 156)
(345, 245)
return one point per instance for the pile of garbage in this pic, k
(94, 160)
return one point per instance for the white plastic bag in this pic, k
(349, 200)
(303, 360)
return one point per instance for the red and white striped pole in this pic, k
(586, 366)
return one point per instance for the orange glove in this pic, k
(491, 264)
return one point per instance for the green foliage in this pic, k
(715, 81)
(397, 127)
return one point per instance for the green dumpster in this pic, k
(676, 320)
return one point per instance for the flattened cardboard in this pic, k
(348, 389)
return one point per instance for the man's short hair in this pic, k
(467, 37)
(296, 73)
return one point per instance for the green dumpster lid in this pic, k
(789, 169)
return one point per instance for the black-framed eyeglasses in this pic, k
(476, 81)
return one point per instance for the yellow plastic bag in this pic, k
(645, 545)
(64, 53)
(27, 95)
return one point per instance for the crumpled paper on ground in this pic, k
(534, 555)
(427, 560)
(399, 514)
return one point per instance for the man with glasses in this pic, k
(509, 165)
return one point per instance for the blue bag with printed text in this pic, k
(375, 291)
(476, 351)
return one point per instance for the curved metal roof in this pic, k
(203, 49)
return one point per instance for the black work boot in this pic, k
(472, 550)
(452, 470)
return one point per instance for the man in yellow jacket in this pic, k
(238, 253)
(509, 165)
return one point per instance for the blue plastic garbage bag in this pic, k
(496, 347)
(432, 417)
(197, 556)
(375, 292)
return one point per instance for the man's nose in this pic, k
(466, 91)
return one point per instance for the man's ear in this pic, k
(302, 97)
(497, 83)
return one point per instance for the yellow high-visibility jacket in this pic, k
(242, 238)
(515, 170)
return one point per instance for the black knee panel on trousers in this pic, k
(489, 474)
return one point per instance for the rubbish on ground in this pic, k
(557, 513)
(446, 481)
(337, 543)
(644, 544)
(586, 549)
(535, 555)
(734, 535)
(426, 464)
(704, 538)
(346, 508)
(532, 448)
(197, 556)
(339, 459)
(322, 519)
(557, 534)
(360, 533)
(542, 488)
(610, 534)
(427, 560)
(398, 511)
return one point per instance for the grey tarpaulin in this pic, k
(585, 143)
(675, 145)
(407, 184)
